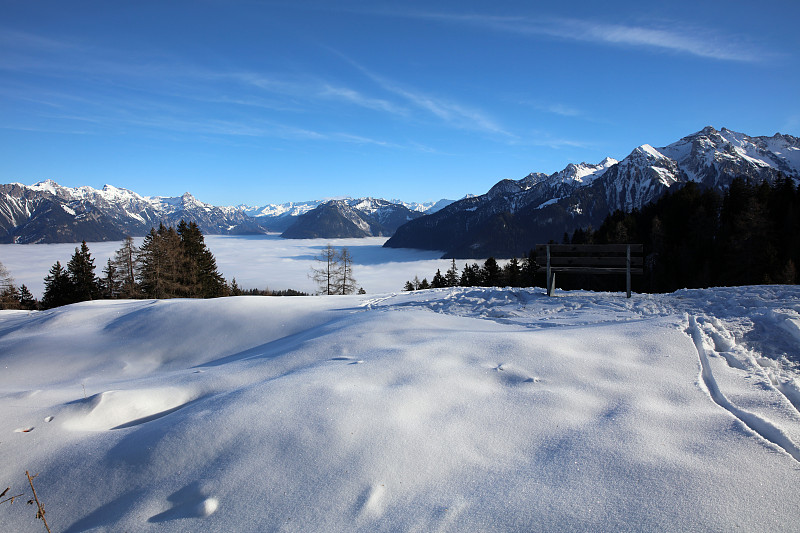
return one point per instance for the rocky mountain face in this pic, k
(47, 212)
(364, 217)
(515, 215)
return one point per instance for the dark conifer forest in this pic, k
(692, 237)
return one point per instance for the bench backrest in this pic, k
(591, 258)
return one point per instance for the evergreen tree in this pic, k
(512, 273)
(471, 276)
(424, 284)
(26, 299)
(234, 289)
(529, 269)
(85, 285)
(58, 289)
(192, 250)
(491, 273)
(452, 277)
(438, 280)
(109, 284)
(409, 286)
(161, 261)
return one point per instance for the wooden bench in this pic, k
(591, 259)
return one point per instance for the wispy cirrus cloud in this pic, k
(452, 113)
(355, 97)
(700, 42)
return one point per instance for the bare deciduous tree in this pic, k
(335, 273)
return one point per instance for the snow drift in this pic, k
(444, 410)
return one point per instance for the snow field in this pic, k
(441, 410)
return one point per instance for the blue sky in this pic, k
(262, 102)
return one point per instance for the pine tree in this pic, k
(161, 259)
(512, 273)
(424, 284)
(451, 276)
(202, 277)
(80, 268)
(438, 280)
(109, 284)
(491, 273)
(528, 270)
(234, 289)
(409, 286)
(58, 289)
(471, 276)
(26, 299)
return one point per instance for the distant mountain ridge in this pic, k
(514, 215)
(279, 217)
(364, 217)
(48, 212)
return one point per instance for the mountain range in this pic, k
(506, 221)
(48, 212)
(514, 215)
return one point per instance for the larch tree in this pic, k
(126, 269)
(9, 294)
(328, 274)
(346, 282)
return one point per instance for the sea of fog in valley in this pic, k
(256, 261)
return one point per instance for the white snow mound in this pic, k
(442, 410)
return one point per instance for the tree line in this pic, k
(515, 273)
(170, 263)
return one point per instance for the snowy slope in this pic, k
(443, 410)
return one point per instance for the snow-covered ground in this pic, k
(442, 410)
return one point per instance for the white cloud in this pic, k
(355, 97)
(693, 41)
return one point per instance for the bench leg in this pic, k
(628, 270)
(551, 283)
